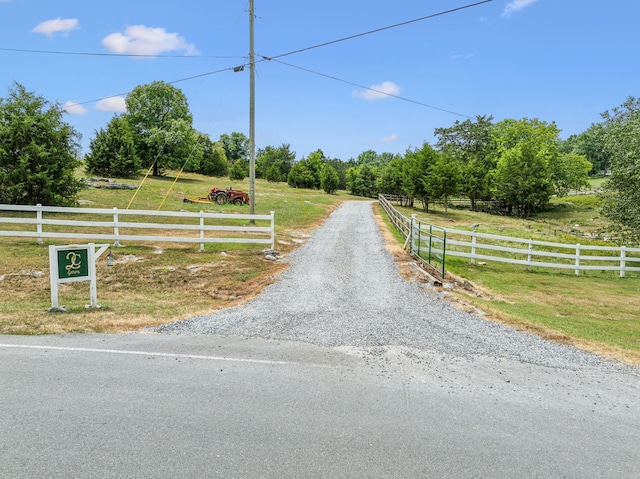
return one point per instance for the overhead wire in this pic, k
(98, 54)
(373, 89)
(351, 37)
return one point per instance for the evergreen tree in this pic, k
(274, 174)
(38, 151)
(443, 179)
(329, 179)
(112, 151)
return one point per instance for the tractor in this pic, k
(237, 197)
(221, 197)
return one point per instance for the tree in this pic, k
(236, 147)
(341, 169)
(237, 171)
(471, 143)
(362, 181)
(467, 141)
(214, 160)
(113, 152)
(274, 174)
(282, 157)
(527, 152)
(522, 181)
(474, 181)
(390, 178)
(591, 145)
(622, 141)
(159, 116)
(38, 151)
(417, 163)
(306, 173)
(329, 179)
(570, 172)
(443, 179)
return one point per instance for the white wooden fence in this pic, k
(135, 225)
(528, 252)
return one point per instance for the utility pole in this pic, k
(252, 114)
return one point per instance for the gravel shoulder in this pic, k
(343, 290)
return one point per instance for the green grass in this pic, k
(599, 310)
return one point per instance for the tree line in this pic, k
(515, 166)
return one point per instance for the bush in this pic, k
(237, 171)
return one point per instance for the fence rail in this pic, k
(135, 225)
(427, 242)
(528, 252)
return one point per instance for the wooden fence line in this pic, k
(249, 234)
(506, 249)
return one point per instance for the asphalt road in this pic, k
(151, 406)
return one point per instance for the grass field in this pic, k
(153, 284)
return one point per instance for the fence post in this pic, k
(529, 254)
(430, 241)
(444, 251)
(578, 259)
(473, 247)
(201, 230)
(116, 229)
(39, 220)
(413, 221)
(623, 263)
(273, 229)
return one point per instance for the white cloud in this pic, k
(462, 57)
(51, 27)
(390, 139)
(143, 40)
(516, 6)
(113, 103)
(378, 92)
(74, 108)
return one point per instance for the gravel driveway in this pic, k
(343, 289)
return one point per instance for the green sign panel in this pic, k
(73, 263)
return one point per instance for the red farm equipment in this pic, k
(221, 197)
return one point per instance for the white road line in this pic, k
(144, 353)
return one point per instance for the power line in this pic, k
(380, 29)
(374, 90)
(168, 83)
(95, 54)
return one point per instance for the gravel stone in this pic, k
(343, 289)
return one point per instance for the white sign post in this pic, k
(73, 263)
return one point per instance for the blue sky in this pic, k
(556, 60)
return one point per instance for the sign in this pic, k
(74, 263)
